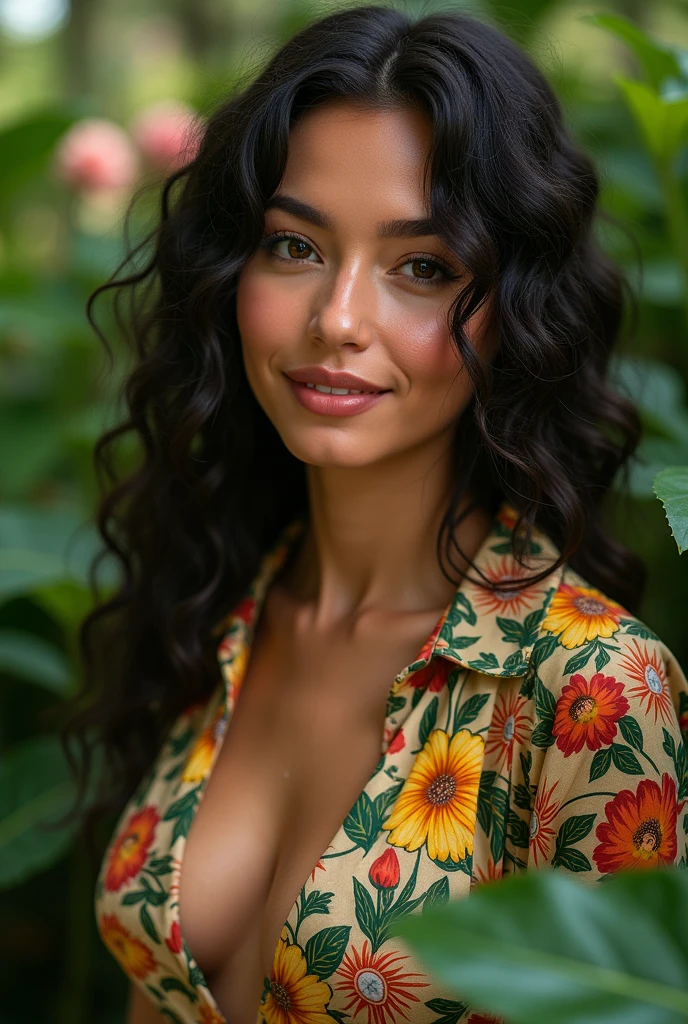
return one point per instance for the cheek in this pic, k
(267, 316)
(426, 353)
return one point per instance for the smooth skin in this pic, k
(364, 589)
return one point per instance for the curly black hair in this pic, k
(514, 198)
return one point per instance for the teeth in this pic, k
(333, 391)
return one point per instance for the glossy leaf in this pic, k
(671, 487)
(35, 788)
(559, 951)
(657, 61)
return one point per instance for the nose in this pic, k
(345, 307)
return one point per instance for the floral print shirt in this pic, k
(535, 729)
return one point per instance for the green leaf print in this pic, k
(579, 660)
(175, 985)
(325, 950)
(179, 744)
(601, 764)
(384, 802)
(428, 721)
(574, 829)
(634, 628)
(316, 903)
(625, 760)
(170, 1015)
(460, 643)
(680, 758)
(485, 662)
(362, 823)
(437, 895)
(394, 704)
(465, 865)
(631, 731)
(462, 610)
(543, 649)
(147, 924)
(468, 711)
(512, 630)
(450, 1010)
(517, 830)
(365, 911)
(602, 659)
(515, 664)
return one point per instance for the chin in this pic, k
(339, 452)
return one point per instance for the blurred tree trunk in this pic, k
(79, 58)
(204, 27)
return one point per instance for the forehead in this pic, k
(342, 154)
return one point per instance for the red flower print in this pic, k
(648, 670)
(545, 811)
(130, 850)
(429, 645)
(640, 830)
(134, 956)
(504, 599)
(377, 986)
(433, 677)
(510, 724)
(384, 872)
(587, 713)
(484, 1018)
(397, 744)
(174, 939)
(244, 610)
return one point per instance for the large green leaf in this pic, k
(27, 145)
(30, 657)
(671, 487)
(663, 123)
(41, 546)
(35, 788)
(658, 62)
(542, 948)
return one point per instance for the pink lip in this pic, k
(334, 405)
(333, 379)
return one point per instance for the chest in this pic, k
(302, 743)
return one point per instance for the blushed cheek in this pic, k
(269, 318)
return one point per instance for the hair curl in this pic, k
(514, 198)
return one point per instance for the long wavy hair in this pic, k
(514, 198)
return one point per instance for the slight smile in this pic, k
(333, 392)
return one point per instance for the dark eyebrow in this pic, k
(387, 229)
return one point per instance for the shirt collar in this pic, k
(487, 631)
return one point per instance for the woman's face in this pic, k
(346, 288)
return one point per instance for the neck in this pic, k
(371, 542)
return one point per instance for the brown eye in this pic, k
(297, 248)
(425, 268)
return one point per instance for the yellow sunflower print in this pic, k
(295, 997)
(439, 800)
(580, 614)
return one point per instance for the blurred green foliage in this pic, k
(626, 97)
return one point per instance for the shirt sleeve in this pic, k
(608, 756)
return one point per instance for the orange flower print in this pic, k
(491, 874)
(134, 957)
(201, 757)
(373, 983)
(384, 872)
(648, 671)
(130, 850)
(544, 812)
(295, 997)
(319, 866)
(438, 803)
(640, 830)
(503, 599)
(580, 614)
(587, 713)
(510, 725)
(210, 1016)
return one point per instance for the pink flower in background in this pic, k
(168, 135)
(96, 155)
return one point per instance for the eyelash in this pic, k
(448, 275)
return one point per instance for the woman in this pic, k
(377, 441)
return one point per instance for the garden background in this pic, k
(95, 100)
